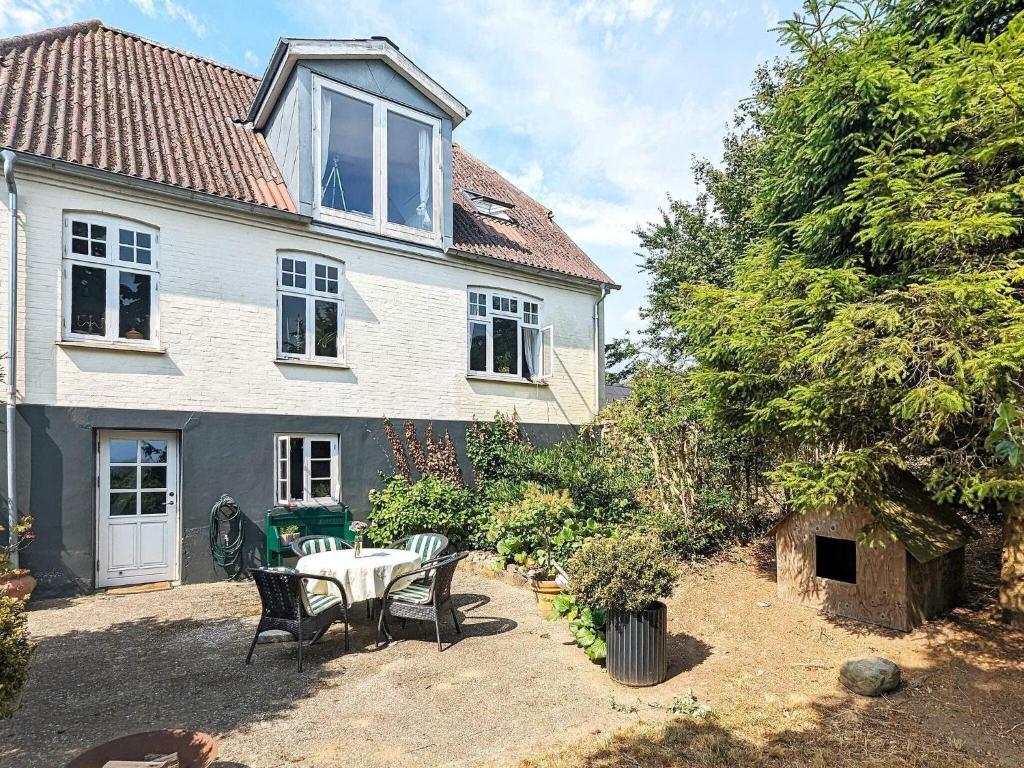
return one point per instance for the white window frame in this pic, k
(311, 295)
(113, 266)
(545, 332)
(378, 223)
(282, 464)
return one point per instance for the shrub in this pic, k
(581, 466)
(540, 527)
(700, 488)
(429, 504)
(624, 573)
(15, 653)
(434, 456)
(498, 449)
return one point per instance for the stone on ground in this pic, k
(869, 675)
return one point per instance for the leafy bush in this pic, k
(624, 573)
(498, 449)
(15, 653)
(429, 504)
(586, 624)
(581, 466)
(700, 487)
(539, 527)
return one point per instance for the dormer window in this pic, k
(489, 206)
(379, 164)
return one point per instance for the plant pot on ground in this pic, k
(288, 534)
(16, 582)
(628, 576)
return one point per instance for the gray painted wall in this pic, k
(289, 129)
(228, 453)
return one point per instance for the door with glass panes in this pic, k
(137, 521)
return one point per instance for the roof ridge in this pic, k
(92, 25)
(52, 33)
(179, 51)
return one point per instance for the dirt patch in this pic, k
(108, 666)
(515, 685)
(768, 670)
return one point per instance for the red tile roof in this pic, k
(100, 97)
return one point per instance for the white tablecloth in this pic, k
(364, 577)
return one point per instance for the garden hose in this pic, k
(227, 535)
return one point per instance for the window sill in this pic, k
(311, 363)
(505, 379)
(113, 346)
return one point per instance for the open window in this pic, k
(506, 338)
(835, 559)
(111, 281)
(307, 469)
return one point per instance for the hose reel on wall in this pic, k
(227, 535)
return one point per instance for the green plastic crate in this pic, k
(329, 521)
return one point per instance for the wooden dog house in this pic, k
(914, 572)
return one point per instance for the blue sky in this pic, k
(595, 108)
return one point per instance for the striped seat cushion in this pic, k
(320, 603)
(426, 545)
(321, 544)
(413, 593)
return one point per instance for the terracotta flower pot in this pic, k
(546, 592)
(195, 749)
(17, 584)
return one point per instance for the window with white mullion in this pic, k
(311, 308)
(111, 280)
(379, 164)
(505, 337)
(308, 469)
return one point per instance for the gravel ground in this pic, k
(111, 665)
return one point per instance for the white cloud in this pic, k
(20, 16)
(579, 109)
(253, 60)
(171, 10)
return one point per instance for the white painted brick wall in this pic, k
(405, 329)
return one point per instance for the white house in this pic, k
(224, 284)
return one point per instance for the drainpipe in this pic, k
(12, 354)
(598, 352)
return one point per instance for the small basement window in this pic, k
(835, 559)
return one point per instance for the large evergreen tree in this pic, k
(869, 313)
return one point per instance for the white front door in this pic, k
(137, 526)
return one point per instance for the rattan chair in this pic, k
(423, 599)
(427, 545)
(288, 606)
(309, 545)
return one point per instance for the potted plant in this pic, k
(503, 362)
(628, 576)
(288, 534)
(525, 532)
(16, 582)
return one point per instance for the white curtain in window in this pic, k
(424, 158)
(325, 134)
(531, 351)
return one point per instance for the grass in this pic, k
(773, 735)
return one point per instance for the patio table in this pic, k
(364, 577)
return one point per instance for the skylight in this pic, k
(489, 206)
